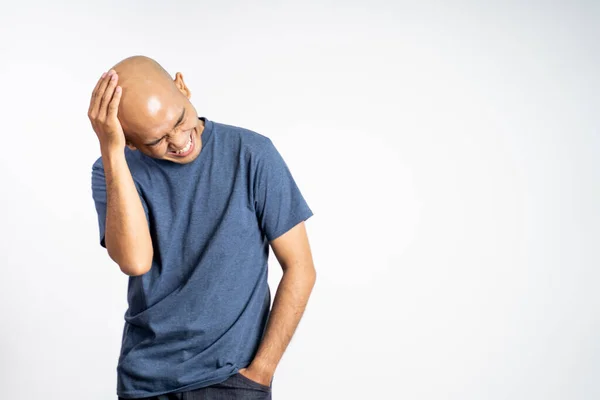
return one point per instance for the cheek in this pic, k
(158, 150)
(188, 127)
(186, 131)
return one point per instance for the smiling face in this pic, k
(156, 114)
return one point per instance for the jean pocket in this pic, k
(253, 383)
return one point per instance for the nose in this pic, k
(182, 140)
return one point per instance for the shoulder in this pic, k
(249, 140)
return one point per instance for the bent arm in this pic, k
(292, 250)
(127, 234)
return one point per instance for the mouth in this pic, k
(187, 150)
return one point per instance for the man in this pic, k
(187, 208)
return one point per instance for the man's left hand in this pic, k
(264, 378)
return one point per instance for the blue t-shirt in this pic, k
(198, 315)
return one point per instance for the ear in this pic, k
(129, 144)
(181, 85)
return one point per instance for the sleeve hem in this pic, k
(298, 219)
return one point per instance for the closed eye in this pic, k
(155, 142)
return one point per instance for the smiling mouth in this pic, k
(189, 147)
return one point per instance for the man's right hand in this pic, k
(104, 106)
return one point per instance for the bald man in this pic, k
(187, 208)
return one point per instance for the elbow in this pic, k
(135, 269)
(309, 275)
(313, 276)
(132, 264)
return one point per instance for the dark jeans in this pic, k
(236, 387)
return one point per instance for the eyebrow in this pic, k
(175, 126)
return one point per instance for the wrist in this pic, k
(110, 151)
(262, 368)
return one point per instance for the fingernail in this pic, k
(113, 77)
(111, 72)
(103, 74)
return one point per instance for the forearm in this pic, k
(127, 235)
(288, 307)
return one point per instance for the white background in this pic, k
(449, 151)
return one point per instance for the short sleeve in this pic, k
(99, 196)
(278, 202)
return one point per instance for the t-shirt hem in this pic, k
(198, 385)
(138, 394)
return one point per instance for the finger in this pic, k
(113, 107)
(95, 91)
(108, 94)
(100, 92)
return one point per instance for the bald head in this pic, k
(141, 67)
(150, 98)
(155, 112)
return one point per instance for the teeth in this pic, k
(186, 148)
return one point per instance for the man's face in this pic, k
(166, 127)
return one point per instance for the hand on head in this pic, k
(148, 110)
(103, 109)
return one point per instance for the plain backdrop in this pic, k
(449, 151)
